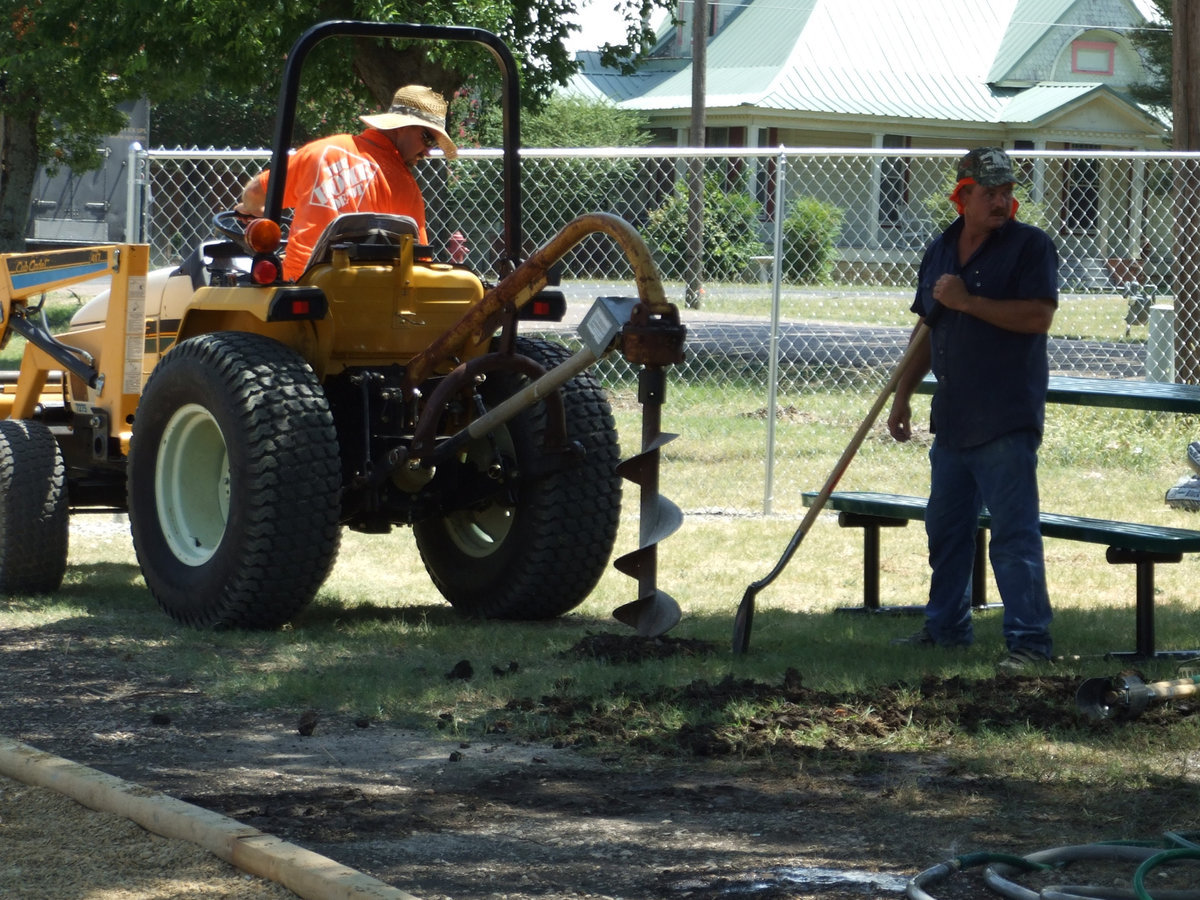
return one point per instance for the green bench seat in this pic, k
(1142, 546)
(1112, 393)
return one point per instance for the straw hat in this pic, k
(415, 104)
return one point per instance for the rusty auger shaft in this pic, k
(519, 287)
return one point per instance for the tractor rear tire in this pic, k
(34, 524)
(234, 482)
(538, 552)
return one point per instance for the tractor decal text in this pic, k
(31, 270)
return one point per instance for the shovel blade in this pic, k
(652, 615)
(1097, 700)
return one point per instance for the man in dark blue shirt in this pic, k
(988, 289)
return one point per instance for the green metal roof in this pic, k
(886, 59)
(871, 57)
(1043, 100)
(1026, 27)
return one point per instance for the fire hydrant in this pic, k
(457, 247)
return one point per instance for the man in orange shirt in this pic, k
(367, 172)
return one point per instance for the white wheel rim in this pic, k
(477, 532)
(191, 485)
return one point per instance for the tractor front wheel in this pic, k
(234, 481)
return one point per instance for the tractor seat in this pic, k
(361, 228)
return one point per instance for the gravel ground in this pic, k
(56, 849)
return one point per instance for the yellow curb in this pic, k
(308, 875)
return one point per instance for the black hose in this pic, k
(916, 886)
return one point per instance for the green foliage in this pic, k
(555, 193)
(731, 230)
(68, 64)
(561, 122)
(810, 233)
(216, 117)
(1154, 43)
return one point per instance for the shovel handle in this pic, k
(745, 613)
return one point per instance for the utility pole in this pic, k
(1185, 92)
(695, 181)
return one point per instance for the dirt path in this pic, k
(501, 819)
(53, 848)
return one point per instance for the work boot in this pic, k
(1022, 660)
(921, 639)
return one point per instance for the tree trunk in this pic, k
(18, 169)
(1186, 94)
(382, 69)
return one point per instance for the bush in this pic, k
(810, 234)
(730, 231)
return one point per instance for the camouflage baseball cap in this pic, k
(988, 166)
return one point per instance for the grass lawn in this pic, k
(379, 640)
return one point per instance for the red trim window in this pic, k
(1093, 57)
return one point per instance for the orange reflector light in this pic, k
(541, 308)
(301, 307)
(265, 271)
(263, 235)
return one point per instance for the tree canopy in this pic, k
(66, 65)
(1153, 41)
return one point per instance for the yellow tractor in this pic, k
(243, 421)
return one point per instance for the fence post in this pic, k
(137, 195)
(1160, 344)
(773, 346)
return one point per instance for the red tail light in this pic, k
(265, 270)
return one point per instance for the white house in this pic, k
(1027, 75)
(1033, 74)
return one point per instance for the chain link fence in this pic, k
(807, 270)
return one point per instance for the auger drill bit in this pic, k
(653, 340)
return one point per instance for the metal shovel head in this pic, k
(1094, 699)
(652, 615)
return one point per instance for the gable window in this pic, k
(1092, 57)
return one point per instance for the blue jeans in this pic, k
(1000, 475)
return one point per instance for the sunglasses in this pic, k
(428, 138)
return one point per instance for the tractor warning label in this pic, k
(135, 335)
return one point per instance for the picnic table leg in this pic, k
(979, 574)
(870, 526)
(1144, 560)
(871, 567)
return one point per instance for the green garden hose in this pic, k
(1174, 847)
(1166, 856)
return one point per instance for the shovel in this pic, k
(745, 613)
(1125, 697)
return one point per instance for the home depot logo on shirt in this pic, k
(342, 179)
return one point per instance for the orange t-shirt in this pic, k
(344, 173)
